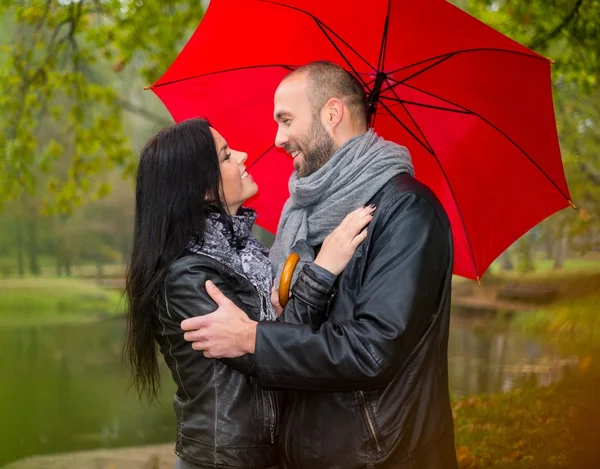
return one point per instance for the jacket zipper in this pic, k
(369, 421)
(272, 417)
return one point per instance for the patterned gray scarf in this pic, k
(318, 203)
(241, 252)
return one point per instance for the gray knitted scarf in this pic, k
(239, 250)
(318, 203)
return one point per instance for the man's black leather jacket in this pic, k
(369, 382)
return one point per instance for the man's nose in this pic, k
(280, 139)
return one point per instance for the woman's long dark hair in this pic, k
(178, 184)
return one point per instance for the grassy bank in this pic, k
(538, 428)
(550, 427)
(55, 300)
(572, 322)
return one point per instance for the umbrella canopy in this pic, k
(473, 107)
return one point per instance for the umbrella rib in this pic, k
(464, 51)
(393, 116)
(501, 133)
(439, 163)
(320, 26)
(260, 157)
(426, 69)
(430, 106)
(319, 22)
(415, 123)
(383, 48)
(249, 67)
(401, 82)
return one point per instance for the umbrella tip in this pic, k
(573, 206)
(478, 281)
(552, 61)
(149, 87)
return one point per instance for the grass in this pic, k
(534, 428)
(52, 300)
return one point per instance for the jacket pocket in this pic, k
(266, 412)
(272, 417)
(179, 407)
(370, 422)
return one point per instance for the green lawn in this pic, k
(50, 300)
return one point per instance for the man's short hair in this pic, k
(328, 80)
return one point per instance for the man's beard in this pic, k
(317, 146)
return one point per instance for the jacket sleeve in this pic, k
(185, 296)
(310, 297)
(408, 260)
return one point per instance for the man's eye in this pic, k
(287, 122)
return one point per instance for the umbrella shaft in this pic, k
(375, 92)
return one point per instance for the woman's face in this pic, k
(238, 185)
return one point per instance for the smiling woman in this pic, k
(237, 185)
(190, 227)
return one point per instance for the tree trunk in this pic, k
(32, 248)
(561, 252)
(19, 243)
(527, 262)
(549, 248)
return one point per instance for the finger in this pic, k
(357, 226)
(197, 346)
(193, 324)
(193, 336)
(216, 294)
(365, 210)
(360, 214)
(359, 238)
(208, 354)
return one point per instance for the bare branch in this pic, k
(542, 42)
(130, 107)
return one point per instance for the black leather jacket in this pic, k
(224, 419)
(372, 377)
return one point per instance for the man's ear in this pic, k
(333, 113)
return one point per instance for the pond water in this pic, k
(64, 388)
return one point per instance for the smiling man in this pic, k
(369, 378)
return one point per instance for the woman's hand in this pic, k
(339, 247)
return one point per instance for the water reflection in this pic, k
(485, 357)
(64, 388)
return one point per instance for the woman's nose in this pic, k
(242, 157)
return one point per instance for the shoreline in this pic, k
(159, 456)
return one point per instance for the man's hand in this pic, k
(226, 333)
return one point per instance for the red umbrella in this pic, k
(473, 107)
